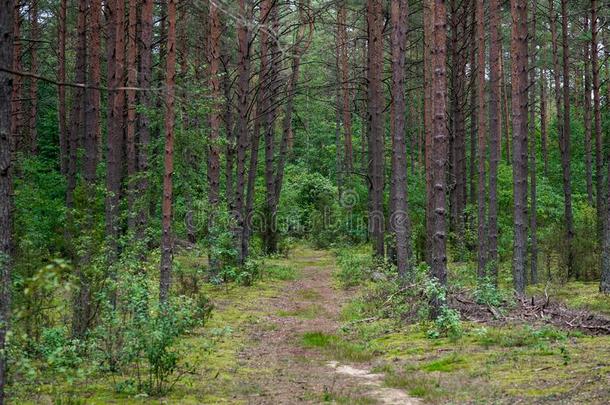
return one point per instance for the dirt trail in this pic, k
(291, 373)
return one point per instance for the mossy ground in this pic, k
(216, 373)
(488, 364)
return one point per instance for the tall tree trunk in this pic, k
(130, 133)
(215, 117)
(16, 116)
(439, 149)
(597, 125)
(115, 151)
(428, 24)
(243, 88)
(399, 219)
(376, 122)
(473, 109)
(345, 88)
(61, 99)
(565, 142)
(145, 99)
(519, 118)
(270, 234)
(604, 285)
(229, 129)
(505, 89)
(495, 134)
(482, 137)
(532, 151)
(458, 126)
(34, 38)
(78, 124)
(544, 123)
(170, 81)
(6, 192)
(587, 116)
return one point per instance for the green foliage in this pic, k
(487, 293)
(353, 267)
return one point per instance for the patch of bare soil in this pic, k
(285, 372)
(541, 309)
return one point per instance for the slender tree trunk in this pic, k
(532, 152)
(587, 116)
(458, 24)
(473, 111)
(229, 129)
(130, 133)
(34, 38)
(16, 116)
(170, 80)
(78, 124)
(6, 192)
(243, 86)
(495, 134)
(604, 285)
(439, 149)
(145, 100)
(215, 117)
(270, 118)
(505, 89)
(376, 122)
(519, 118)
(544, 123)
(61, 76)
(428, 23)
(345, 88)
(565, 143)
(115, 151)
(482, 137)
(399, 219)
(597, 125)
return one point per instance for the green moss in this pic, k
(337, 348)
(445, 364)
(578, 295)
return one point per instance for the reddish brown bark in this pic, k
(519, 117)
(145, 99)
(399, 219)
(587, 115)
(130, 131)
(61, 98)
(16, 116)
(345, 88)
(544, 123)
(116, 104)
(495, 134)
(6, 189)
(428, 20)
(32, 141)
(77, 115)
(604, 284)
(376, 123)
(213, 171)
(481, 142)
(532, 150)
(439, 149)
(243, 86)
(170, 80)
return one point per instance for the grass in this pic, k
(445, 364)
(336, 347)
(578, 295)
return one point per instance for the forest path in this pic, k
(289, 371)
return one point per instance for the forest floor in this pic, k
(297, 336)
